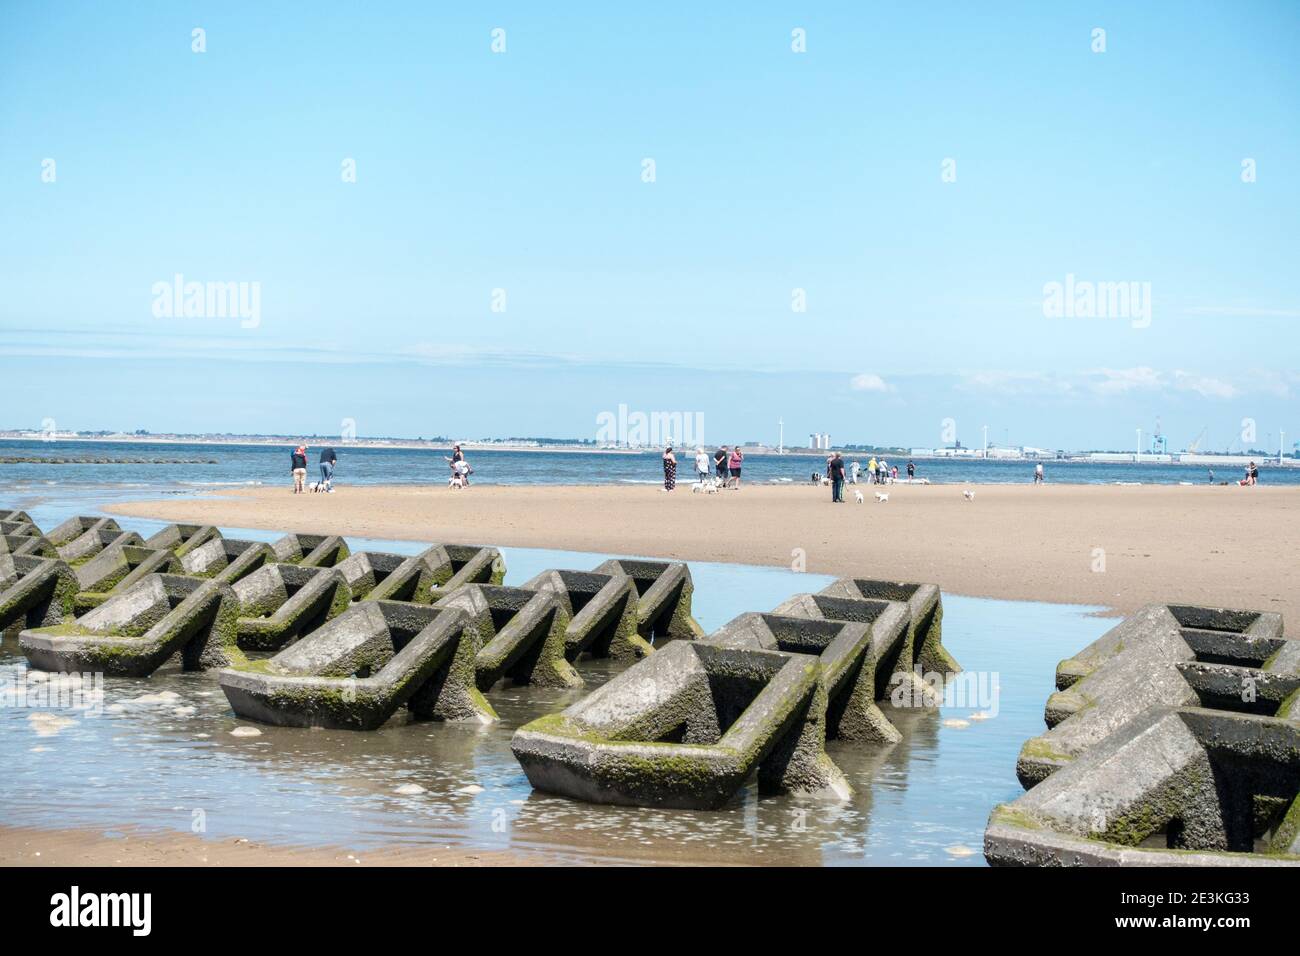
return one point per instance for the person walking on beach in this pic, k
(298, 468)
(720, 465)
(1038, 474)
(733, 465)
(911, 469)
(328, 459)
(701, 466)
(670, 469)
(873, 470)
(853, 472)
(457, 464)
(836, 472)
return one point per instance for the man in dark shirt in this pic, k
(836, 472)
(328, 459)
(720, 459)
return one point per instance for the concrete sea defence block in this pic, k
(364, 570)
(665, 589)
(685, 728)
(279, 603)
(68, 531)
(357, 670)
(310, 550)
(136, 632)
(1134, 667)
(32, 545)
(439, 570)
(116, 569)
(15, 517)
(225, 560)
(603, 610)
(923, 650)
(35, 592)
(521, 635)
(1194, 759)
(181, 538)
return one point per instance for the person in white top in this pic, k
(853, 476)
(701, 464)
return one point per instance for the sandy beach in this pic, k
(1215, 545)
(22, 846)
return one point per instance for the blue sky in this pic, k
(774, 171)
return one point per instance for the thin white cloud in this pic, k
(869, 382)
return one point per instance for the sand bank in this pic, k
(1226, 546)
(21, 846)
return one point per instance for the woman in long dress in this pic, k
(670, 469)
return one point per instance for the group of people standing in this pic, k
(298, 469)
(727, 465)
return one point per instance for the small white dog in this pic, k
(968, 495)
(882, 497)
(858, 495)
(455, 481)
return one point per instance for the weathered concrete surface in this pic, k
(665, 589)
(437, 571)
(35, 591)
(364, 570)
(116, 569)
(357, 670)
(310, 550)
(923, 649)
(181, 538)
(279, 603)
(1132, 668)
(603, 613)
(685, 728)
(520, 634)
(656, 734)
(75, 527)
(86, 546)
(855, 657)
(1173, 787)
(1175, 742)
(16, 517)
(135, 633)
(225, 560)
(33, 545)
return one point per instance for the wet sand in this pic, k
(1215, 545)
(20, 846)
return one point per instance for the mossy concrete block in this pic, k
(136, 632)
(603, 612)
(1173, 787)
(685, 728)
(923, 651)
(665, 589)
(857, 657)
(19, 529)
(521, 635)
(33, 545)
(225, 560)
(311, 550)
(118, 568)
(181, 538)
(279, 603)
(16, 517)
(1137, 665)
(365, 570)
(68, 531)
(35, 592)
(438, 571)
(357, 670)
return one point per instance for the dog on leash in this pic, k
(968, 495)
(456, 481)
(882, 497)
(858, 495)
